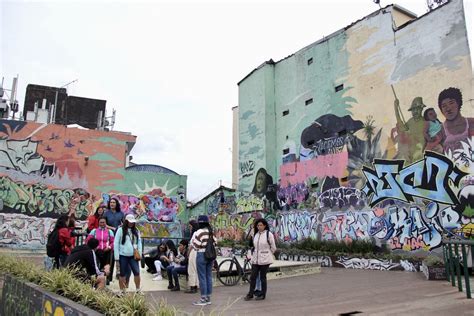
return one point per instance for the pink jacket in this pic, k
(104, 236)
(263, 253)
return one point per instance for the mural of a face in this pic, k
(449, 108)
(261, 182)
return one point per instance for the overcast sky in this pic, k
(169, 68)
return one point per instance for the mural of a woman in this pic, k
(456, 128)
(264, 188)
(262, 180)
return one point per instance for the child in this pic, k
(433, 131)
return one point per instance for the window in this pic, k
(286, 112)
(286, 151)
(339, 87)
(309, 101)
(310, 61)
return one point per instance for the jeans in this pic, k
(204, 270)
(127, 264)
(173, 274)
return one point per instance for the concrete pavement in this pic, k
(334, 291)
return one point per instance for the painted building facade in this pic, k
(365, 134)
(47, 170)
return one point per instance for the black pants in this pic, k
(256, 269)
(103, 257)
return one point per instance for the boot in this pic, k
(192, 290)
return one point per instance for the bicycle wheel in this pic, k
(229, 273)
(247, 271)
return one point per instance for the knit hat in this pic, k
(203, 219)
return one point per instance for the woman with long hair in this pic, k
(203, 236)
(262, 257)
(192, 268)
(113, 214)
(127, 239)
(93, 220)
(64, 236)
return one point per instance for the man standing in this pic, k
(410, 134)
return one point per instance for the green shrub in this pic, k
(433, 261)
(62, 282)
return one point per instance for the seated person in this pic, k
(153, 256)
(84, 258)
(178, 266)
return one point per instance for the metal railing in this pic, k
(455, 254)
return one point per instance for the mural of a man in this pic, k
(410, 133)
(456, 128)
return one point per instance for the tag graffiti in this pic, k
(247, 168)
(428, 178)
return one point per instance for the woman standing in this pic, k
(93, 220)
(204, 267)
(127, 239)
(105, 237)
(192, 268)
(262, 257)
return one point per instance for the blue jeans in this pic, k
(173, 274)
(204, 270)
(127, 264)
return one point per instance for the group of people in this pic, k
(110, 233)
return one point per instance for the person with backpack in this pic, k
(105, 237)
(54, 246)
(262, 257)
(204, 243)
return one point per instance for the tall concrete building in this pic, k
(327, 109)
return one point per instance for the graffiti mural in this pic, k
(367, 264)
(428, 178)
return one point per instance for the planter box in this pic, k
(434, 272)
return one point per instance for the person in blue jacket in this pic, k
(127, 238)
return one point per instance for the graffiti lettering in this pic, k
(247, 168)
(342, 197)
(427, 178)
(297, 226)
(249, 204)
(324, 260)
(367, 264)
(20, 155)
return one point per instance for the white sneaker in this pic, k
(158, 278)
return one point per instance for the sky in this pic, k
(169, 68)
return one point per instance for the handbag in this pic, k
(210, 253)
(136, 253)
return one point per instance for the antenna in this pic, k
(378, 2)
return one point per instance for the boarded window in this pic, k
(309, 101)
(310, 61)
(339, 87)
(286, 112)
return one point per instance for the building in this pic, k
(62, 108)
(47, 170)
(337, 131)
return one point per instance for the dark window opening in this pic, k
(286, 112)
(309, 101)
(286, 151)
(339, 87)
(310, 61)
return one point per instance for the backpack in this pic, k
(53, 246)
(210, 253)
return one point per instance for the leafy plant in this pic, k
(433, 261)
(64, 283)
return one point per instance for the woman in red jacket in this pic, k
(65, 239)
(93, 220)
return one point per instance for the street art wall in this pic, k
(47, 170)
(373, 136)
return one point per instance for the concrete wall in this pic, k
(48, 170)
(351, 162)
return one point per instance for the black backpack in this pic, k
(53, 246)
(210, 253)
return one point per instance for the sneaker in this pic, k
(138, 291)
(170, 286)
(157, 278)
(248, 297)
(259, 298)
(175, 289)
(208, 300)
(201, 302)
